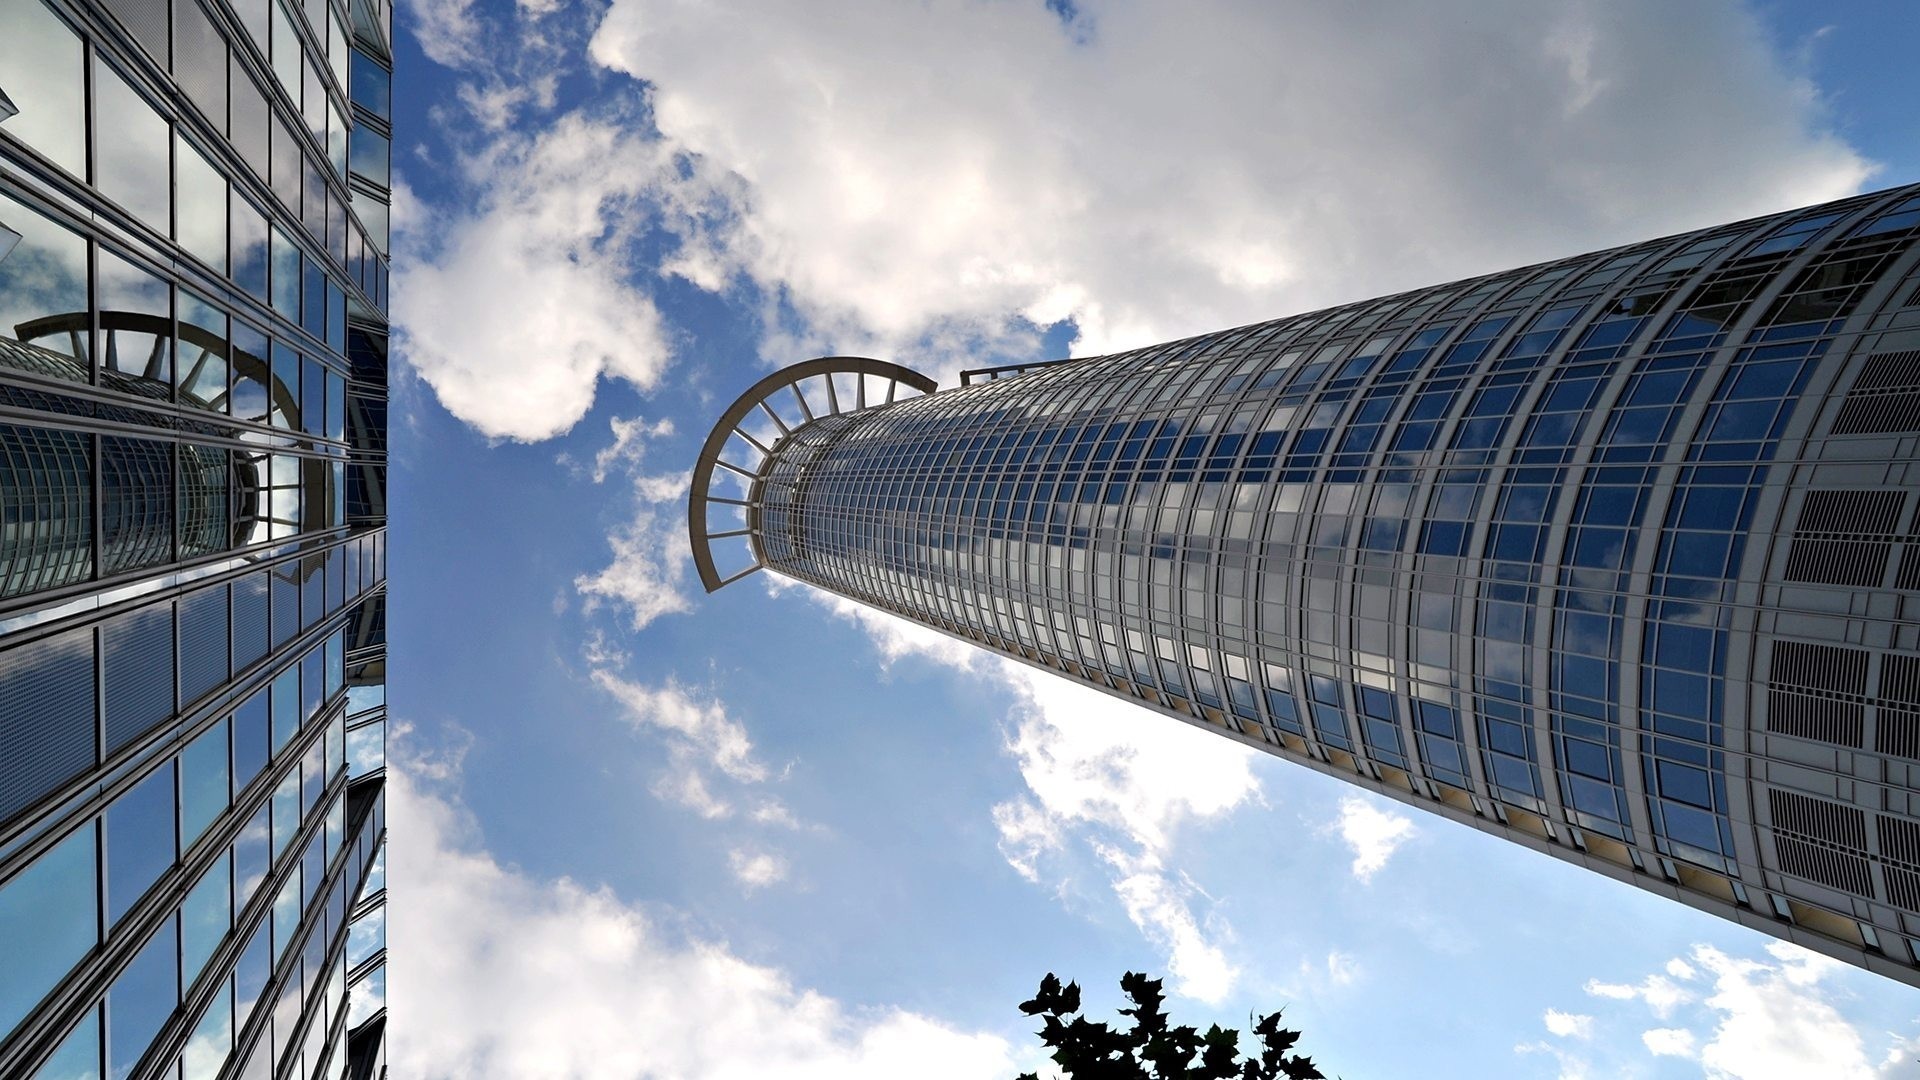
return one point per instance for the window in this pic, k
(140, 841)
(205, 918)
(141, 1000)
(41, 58)
(131, 144)
(204, 783)
(202, 221)
(48, 920)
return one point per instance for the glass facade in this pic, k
(1617, 556)
(193, 295)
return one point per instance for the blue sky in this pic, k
(640, 831)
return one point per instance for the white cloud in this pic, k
(512, 311)
(948, 174)
(1342, 968)
(1661, 994)
(1373, 832)
(1776, 1018)
(1568, 1025)
(756, 869)
(595, 987)
(702, 740)
(629, 446)
(1668, 1042)
(650, 556)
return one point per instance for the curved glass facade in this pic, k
(1616, 555)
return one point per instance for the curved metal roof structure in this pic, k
(767, 398)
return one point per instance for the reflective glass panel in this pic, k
(205, 917)
(78, 1057)
(368, 935)
(286, 813)
(140, 840)
(130, 156)
(250, 740)
(251, 373)
(250, 250)
(136, 337)
(201, 352)
(370, 153)
(368, 996)
(203, 783)
(252, 857)
(212, 1040)
(367, 749)
(286, 275)
(42, 60)
(48, 922)
(201, 223)
(141, 1000)
(43, 276)
(370, 83)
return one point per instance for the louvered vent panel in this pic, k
(1900, 852)
(46, 717)
(1897, 720)
(249, 619)
(1844, 537)
(286, 604)
(136, 655)
(1821, 841)
(1818, 692)
(1909, 577)
(1885, 398)
(146, 20)
(204, 636)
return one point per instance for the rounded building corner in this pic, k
(787, 399)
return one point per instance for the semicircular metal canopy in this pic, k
(786, 400)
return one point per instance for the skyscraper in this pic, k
(1616, 556)
(193, 208)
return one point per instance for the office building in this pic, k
(1617, 556)
(193, 228)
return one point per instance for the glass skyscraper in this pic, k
(1617, 557)
(193, 273)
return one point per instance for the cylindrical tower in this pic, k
(1618, 556)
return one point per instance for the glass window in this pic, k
(368, 996)
(370, 84)
(140, 841)
(285, 388)
(373, 213)
(286, 708)
(286, 54)
(252, 857)
(201, 350)
(203, 783)
(250, 374)
(212, 1040)
(49, 916)
(44, 275)
(286, 913)
(286, 275)
(250, 249)
(141, 1000)
(367, 748)
(205, 916)
(286, 812)
(367, 936)
(201, 224)
(370, 152)
(131, 143)
(42, 58)
(376, 873)
(250, 740)
(337, 49)
(135, 338)
(78, 1057)
(251, 972)
(337, 142)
